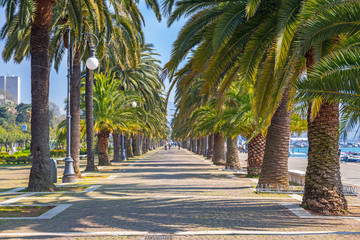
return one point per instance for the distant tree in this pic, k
(4, 115)
(55, 116)
(6, 99)
(24, 113)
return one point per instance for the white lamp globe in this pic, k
(134, 104)
(92, 63)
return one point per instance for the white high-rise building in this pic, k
(11, 84)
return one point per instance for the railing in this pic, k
(268, 188)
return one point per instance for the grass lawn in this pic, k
(23, 211)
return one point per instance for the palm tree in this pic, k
(112, 109)
(144, 79)
(89, 89)
(39, 179)
(105, 24)
(228, 42)
(41, 14)
(332, 78)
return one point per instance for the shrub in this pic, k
(58, 153)
(23, 159)
(16, 158)
(11, 160)
(4, 155)
(83, 151)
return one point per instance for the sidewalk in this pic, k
(172, 195)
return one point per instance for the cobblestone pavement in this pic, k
(172, 195)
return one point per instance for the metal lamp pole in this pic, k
(123, 154)
(69, 173)
(92, 63)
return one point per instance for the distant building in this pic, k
(11, 84)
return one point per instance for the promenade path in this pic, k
(172, 195)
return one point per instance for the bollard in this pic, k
(53, 170)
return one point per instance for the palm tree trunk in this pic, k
(210, 146)
(103, 146)
(149, 143)
(256, 151)
(198, 145)
(146, 142)
(323, 188)
(129, 149)
(89, 89)
(323, 191)
(117, 147)
(203, 147)
(143, 143)
(193, 145)
(40, 179)
(75, 112)
(232, 155)
(136, 145)
(274, 170)
(219, 149)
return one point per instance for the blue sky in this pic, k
(156, 33)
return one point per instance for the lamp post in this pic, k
(92, 63)
(122, 154)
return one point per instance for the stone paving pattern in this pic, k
(170, 191)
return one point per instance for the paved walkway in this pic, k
(173, 195)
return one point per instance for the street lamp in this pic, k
(122, 154)
(92, 63)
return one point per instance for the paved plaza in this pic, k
(169, 195)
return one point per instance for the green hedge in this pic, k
(83, 151)
(19, 158)
(4, 155)
(58, 153)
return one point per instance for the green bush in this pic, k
(4, 155)
(11, 160)
(58, 153)
(23, 152)
(83, 151)
(16, 158)
(23, 159)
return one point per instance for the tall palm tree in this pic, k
(108, 25)
(334, 78)
(144, 79)
(89, 90)
(40, 12)
(227, 41)
(112, 109)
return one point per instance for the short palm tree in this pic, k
(112, 111)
